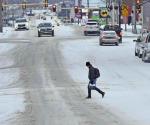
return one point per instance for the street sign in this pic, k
(124, 10)
(104, 13)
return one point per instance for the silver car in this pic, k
(108, 37)
(146, 49)
(140, 44)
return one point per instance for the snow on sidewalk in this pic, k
(7, 31)
(11, 99)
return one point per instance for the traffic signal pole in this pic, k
(1, 17)
(119, 7)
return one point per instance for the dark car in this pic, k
(45, 29)
(115, 28)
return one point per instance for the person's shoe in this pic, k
(88, 97)
(103, 94)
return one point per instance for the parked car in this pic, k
(91, 27)
(45, 29)
(140, 43)
(146, 49)
(108, 37)
(115, 28)
(21, 23)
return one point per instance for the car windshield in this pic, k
(45, 25)
(111, 27)
(91, 24)
(21, 20)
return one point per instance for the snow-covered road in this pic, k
(39, 74)
(124, 77)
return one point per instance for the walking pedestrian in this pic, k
(93, 75)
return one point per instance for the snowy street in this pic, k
(44, 80)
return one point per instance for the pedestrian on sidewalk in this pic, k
(93, 75)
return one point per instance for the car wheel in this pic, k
(143, 57)
(100, 43)
(116, 44)
(85, 33)
(39, 35)
(139, 55)
(136, 53)
(53, 33)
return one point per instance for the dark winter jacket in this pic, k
(91, 74)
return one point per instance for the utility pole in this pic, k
(1, 16)
(113, 14)
(134, 15)
(119, 7)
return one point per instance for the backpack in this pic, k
(96, 72)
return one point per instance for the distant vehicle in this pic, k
(30, 14)
(91, 27)
(21, 23)
(144, 47)
(140, 43)
(66, 20)
(45, 29)
(108, 37)
(115, 28)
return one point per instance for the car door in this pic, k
(147, 42)
(142, 44)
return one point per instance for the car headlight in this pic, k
(16, 25)
(39, 29)
(27, 25)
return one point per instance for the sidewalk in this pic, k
(7, 31)
(129, 33)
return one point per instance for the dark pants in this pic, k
(92, 86)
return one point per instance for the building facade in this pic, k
(146, 16)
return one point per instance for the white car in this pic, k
(21, 23)
(91, 27)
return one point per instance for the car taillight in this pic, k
(120, 34)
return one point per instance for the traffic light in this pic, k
(138, 9)
(24, 5)
(46, 3)
(54, 8)
(76, 9)
(138, 6)
(138, 1)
